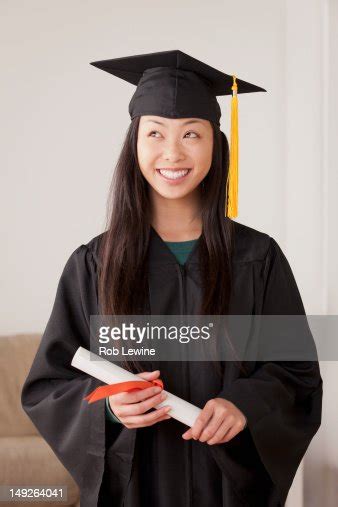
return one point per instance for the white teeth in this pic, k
(173, 175)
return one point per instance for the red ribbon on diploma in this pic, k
(130, 385)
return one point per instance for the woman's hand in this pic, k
(219, 421)
(130, 407)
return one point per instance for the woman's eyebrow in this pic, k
(184, 123)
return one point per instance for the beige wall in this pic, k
(63, 123)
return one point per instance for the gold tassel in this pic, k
(232, 181)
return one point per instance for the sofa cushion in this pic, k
(16, 357)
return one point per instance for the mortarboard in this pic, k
(173, 84)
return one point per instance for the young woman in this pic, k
(169, 250)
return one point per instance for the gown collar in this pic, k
(160, 253)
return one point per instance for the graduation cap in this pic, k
(173, 84)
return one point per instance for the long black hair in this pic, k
(123, 249)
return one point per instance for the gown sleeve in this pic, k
(281, 400)
(53, 392)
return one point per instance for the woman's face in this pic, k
(174, 155)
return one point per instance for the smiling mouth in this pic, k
(174, 174)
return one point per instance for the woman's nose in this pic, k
(173, 152)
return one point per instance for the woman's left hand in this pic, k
(219, 421)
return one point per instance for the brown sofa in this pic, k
(25, 457)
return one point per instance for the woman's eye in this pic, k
(157, 132)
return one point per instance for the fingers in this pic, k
(202, 419)
(147, 375)
(214, 425)
(187, 434)
(130, 407)
(213, 437)
(147, 419)
(135, 396)
(140, 407)
(210, 429)
(232, 432)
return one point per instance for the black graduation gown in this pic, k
(155, 466)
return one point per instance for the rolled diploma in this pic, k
(110, 373)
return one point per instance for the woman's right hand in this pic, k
(130, 407)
